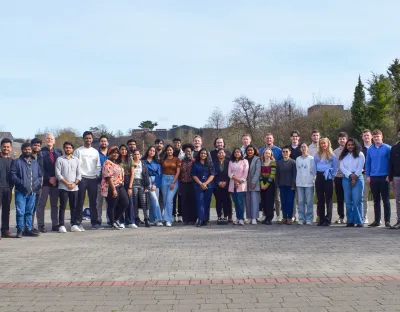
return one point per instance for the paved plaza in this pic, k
(218, 268)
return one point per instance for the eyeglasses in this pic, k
(285, 152)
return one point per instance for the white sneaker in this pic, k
(62, 229)
(366, 220)
(308, 223)
(241, 222)
(115, 226)
(159, 224)
(169, 224)
(81, 228)
(254, 222)
(278, 218)
(237, 222)
(300, 222)
(75, 228)
(131, 226)
(247, 221)
(122, 226)
(263, 218)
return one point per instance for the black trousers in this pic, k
(177, 200)
(72, 197)
(189, 212)
(339, 196)
(223, 202)
(324, 190)
(89, 185)
(116, 206)
(5, 202)
(268, 201)
(380, 188)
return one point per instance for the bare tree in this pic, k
(216, 120)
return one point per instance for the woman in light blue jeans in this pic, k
(305, 185)
(171, 167)
(352, 162)
(154, 169)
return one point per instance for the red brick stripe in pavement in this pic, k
(344, 279)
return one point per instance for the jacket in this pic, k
(48, 168)
(19, 175)
(214, 155)
(240, 170)
(253, 176)
(394, 162)
(221, 176)
(145, 176)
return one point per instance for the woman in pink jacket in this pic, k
(237, 171)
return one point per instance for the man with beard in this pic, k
(36, 145)
(5, 187)
(26, 177)
(218, 144)
(159, 144)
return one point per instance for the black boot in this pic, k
(146, 222)
(137, 221)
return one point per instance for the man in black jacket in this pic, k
(47, 159)
(218, 144)
(394, 176)
(5, 187)
(26, 176)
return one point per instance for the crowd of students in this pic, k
(176, 183)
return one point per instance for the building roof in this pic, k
(7, 135)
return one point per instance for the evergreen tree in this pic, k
(359, 115)
(394, 76)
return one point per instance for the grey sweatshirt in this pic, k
(286, 173)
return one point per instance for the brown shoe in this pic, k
(7, 235)
(289, 222)
(283, 221)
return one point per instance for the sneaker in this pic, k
(35, 231)
(75, 228)
(366, 220)
(241, 222)
(254, 222)
(97, 227)
(19, 234)
(115, 226)
(180, 220)
(168, 224)
(300, 222)
(278, 218)
(308, 223)
(237, 222)
(81, 228)
(159, 223)
(263, 218)
(176, 219)
(247, 221)
(121, 226)
(131, 226)
(42, 229)
(62, 229)
(85, 219)
(339, 221)
(30, 233)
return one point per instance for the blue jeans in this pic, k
(24, 205)
(155, 210)
(306, 203)
(168, 196)
(287, 200)
(353, 197)
(238, 200)
(203, 202)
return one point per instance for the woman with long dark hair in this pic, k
(171, 167)
(237, 172)
(112, 188)
(154, 170)
(203, 175)
(326, 166)
(126, 162)
(253, 184)
(352, 162)
(186, 186)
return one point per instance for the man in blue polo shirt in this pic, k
(377, 171)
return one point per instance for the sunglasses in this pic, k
(285, 152)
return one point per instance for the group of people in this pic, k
(176, 182)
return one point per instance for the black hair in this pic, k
(295, 131)
(256, 153)
(87, 133)
(356, 151)
(233, 154)
(36, 141)
(67, 143)
(208, 161)
(130, 141)
(6, 140)
(165, 150)
(286, 147)
(119, 160)
(146, 154)
(188, 145)
(158, 141)
(25, 145)
(343, 135)
(219, 138)
(103, 137)
(176, 140)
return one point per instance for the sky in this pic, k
(81, 63)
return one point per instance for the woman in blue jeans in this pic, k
(352, 162)
(154, 169)
(203, 175)
(171, 167)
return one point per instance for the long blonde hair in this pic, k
(329, 151)
(272, 155)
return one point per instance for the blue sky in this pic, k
(84, 63)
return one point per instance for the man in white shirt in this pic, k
(313, 147)
(246, 141)
(338, 180)
(367, 143)
(90, 169)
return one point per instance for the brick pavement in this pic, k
(196, 255)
